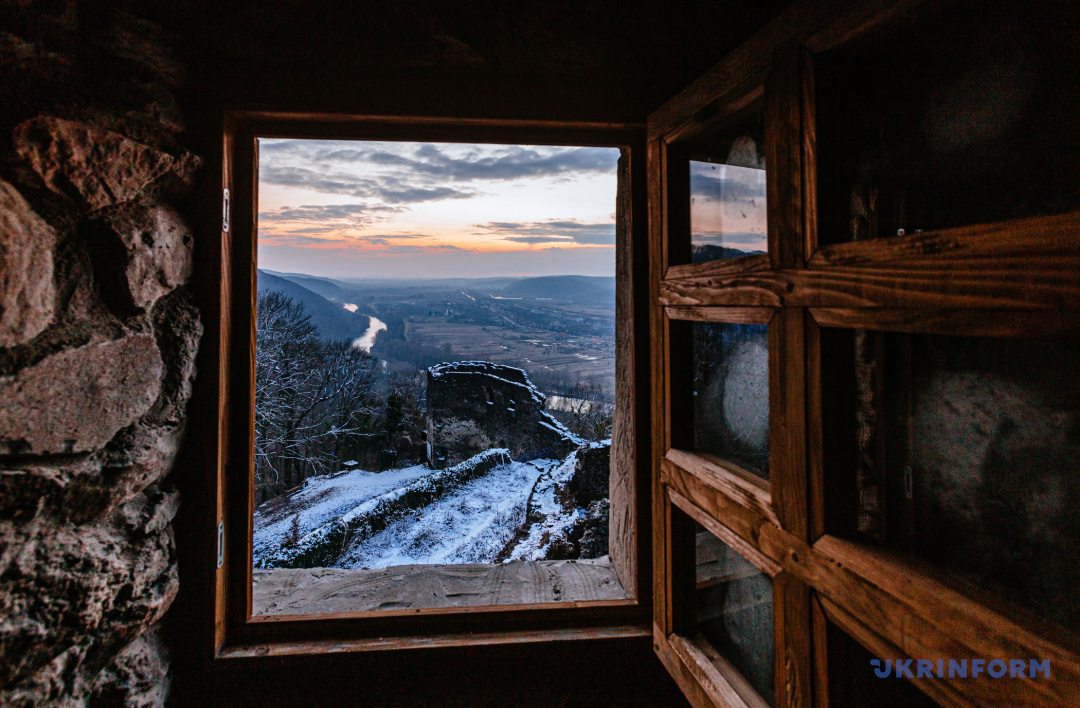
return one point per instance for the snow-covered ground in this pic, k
(556, 522)
(471, 525)
(321, 500)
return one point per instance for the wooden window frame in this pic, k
(240, 636)
(893, 605)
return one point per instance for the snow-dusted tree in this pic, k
(312, 397)
(403, 419)
(589, 411)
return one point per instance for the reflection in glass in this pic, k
(735, 611)
(727, 203)
(979, 448)
(731, 393)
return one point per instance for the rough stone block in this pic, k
(95, 587)
(178, 330)
(592, 473)
(95, 167)
(144, 253)
(77, 400)
(27, 293)
(137, 678)
(139, 456)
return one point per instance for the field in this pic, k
(543, 354)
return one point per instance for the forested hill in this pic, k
(323, 286)
(578, 288)
(331, 319)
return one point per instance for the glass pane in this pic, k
(968, 450)
(727, 195)
(735, 611)
(966, 117)
(731, 393)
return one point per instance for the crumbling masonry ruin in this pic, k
(474, 406)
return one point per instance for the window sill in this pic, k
(306, 591)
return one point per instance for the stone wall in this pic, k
(474, 406)
(98, 336)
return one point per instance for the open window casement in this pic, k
(606, 598)
(864, 247)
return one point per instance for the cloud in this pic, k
(551, 231)
(352, 245)
(295, 239)
(387, 189)
(327, 212)
(410, 248)
(431, 161)
(535, 239)
(725, 189)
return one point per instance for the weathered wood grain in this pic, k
(746, 522)
(791, 642)
(658, 399)
(736, 315)
(1024, 264)
(722, 534)
(300, 591)
(724, 266)
(741, 487)
(787, 421)
(679, 670)
(722, 682)
(622, 535)
(808, 135)
(783, 158)
(937, 689)
(430, 640)
(924, 618)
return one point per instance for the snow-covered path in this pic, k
(471, 525)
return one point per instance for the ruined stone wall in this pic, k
(98, 336)
(474, 406)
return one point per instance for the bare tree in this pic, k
(312, 397)
(588, 411)
(404, 419)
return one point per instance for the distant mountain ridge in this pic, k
(581, 288)
(331, 319)
(323, 286)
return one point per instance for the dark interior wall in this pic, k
(110, 112)
(594, 60)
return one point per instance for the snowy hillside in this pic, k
(487, 509)
(472, 525)
(465, 514)
(321, 500)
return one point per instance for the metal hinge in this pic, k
(225, 211)
(220, 544)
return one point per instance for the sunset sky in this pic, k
(364, 209)
(728, 206)
(375, 209)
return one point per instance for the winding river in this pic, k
(367, 339)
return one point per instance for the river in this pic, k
(367, 339)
